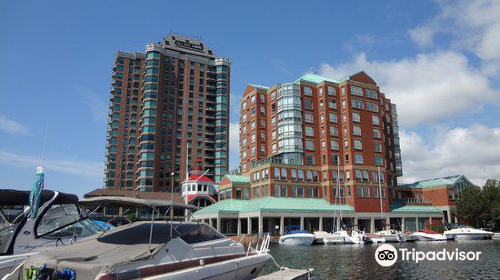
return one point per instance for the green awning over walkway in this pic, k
(273, 204)
(415, 209)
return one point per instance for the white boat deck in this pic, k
(288, 274)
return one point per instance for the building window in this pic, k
(332, 104)
(356, 90)
(356, 130)
(332, 117)
(366, 191)
(309, 131)
(359, 191)
(375, 120)
(378, 160)
(283, 191)
(276, 173)
(357, 104)
(334, 131)
(356, 117)
(371, 93)
(283, 174)
(300, 174)
(378, 147)
(308, 117)
(308, 104)
(358, 158)
(358, 145)
(331, 90)
(376, 133)
(359, 175)
(373, 107)
(309, 145)
(310, 160)
(334, 145)
(307, 91)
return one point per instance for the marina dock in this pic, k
(288, 274)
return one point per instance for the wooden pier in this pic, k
(288, 274)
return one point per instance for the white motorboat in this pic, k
(374, 238)
(392, 235)
(468, 233)
(345, 237)
(296, 236)
(319, 236)
(429, 235)
(59, 222)
(146, 250)
(496, 236)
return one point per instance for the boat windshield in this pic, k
(65, 221)
(10, 217)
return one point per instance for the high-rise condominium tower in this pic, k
(168, 107)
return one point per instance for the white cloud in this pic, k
(423, 36)
(13, 127)
(473, 25)
(234, 146)
(472, 151)
(97, 104)
(427, 88)
(71, 166)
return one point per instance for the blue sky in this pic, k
(439, 67)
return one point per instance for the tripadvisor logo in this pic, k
(387, 255)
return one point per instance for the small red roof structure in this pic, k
(198, 177)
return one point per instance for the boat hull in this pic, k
(297, 239)
(469, 236)
(246, 268)
(430, 237)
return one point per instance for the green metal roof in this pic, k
(273, 204)
(238, 179)
(259, 86)
(315, 79)
(442, 181)
(414, 209)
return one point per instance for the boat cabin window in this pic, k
(62, 221)
(195, 233)
(10, 218)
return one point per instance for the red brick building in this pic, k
(300, 139)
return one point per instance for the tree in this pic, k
(480, 207)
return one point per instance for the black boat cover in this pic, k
(15, 197)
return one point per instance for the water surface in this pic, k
(358, 261)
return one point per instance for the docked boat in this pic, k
(429, 235)
(345, 237)
(296, 236)
(468, 233)
(374, 238)
(392, 235)
(319, 236)
(147, 250)
(59, 222)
